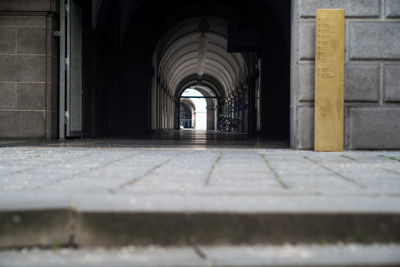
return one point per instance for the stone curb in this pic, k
(35, 227)
(68, 227)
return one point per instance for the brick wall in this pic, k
(372, 73)
(28, 69)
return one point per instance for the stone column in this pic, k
(158, 107)
(170, 113)
(211, 117)
(245, 110)
(162, 109)
(165, 109)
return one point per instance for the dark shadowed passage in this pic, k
(142, 55)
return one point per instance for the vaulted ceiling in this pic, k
(198, 48)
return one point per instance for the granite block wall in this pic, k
(372, 73)
(28, 69)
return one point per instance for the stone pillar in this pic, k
(170, 114)
(240, 110)
(164, 109)
(224, 107)
(211, 117)
(28, 69)
(230, 108)
(167, 113)
(245, 110)
(158, 107)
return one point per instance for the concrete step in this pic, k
(285, 255)
(201, 220)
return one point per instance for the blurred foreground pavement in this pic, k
(200, 205)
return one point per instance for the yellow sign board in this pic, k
(329, 79)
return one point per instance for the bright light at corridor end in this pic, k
(200, 108)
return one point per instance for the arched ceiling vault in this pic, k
(193, 72)
(217, 53)
(213, 68)
(185, 52)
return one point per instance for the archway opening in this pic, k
(198, 120)
(187, 117)
(149, 51)
(193, 55)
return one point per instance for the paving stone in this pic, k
(128, 256)
(8, 40)
(8, 96)
(299, 255)
(185, 179)
(353, 8)
(243, 184)
(374, 40)
(392, 82)
(392, 8)
(372, 128)
(204, 202)
(137, 168)
(252, 173)
(340, 255)
(15, 202)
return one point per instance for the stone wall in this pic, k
(372, 73)
(28, 69)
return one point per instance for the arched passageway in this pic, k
(146, 53)
(187, 114)
(211, 102)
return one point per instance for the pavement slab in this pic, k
(228, 256)
(83, 178)
(77, 170)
